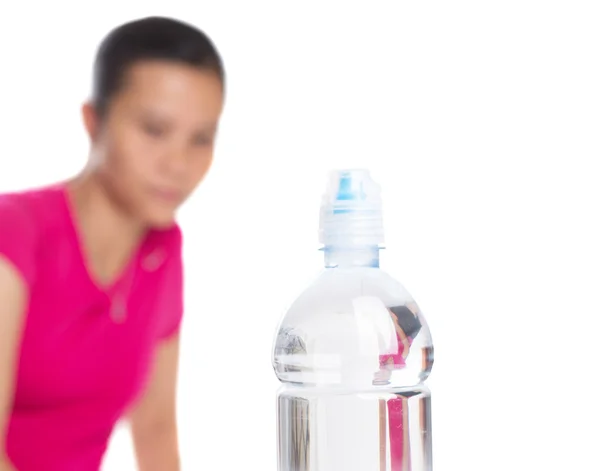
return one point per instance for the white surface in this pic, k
(480, 120)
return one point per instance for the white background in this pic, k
(479, 119)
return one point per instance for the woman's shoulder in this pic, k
(169, 239)
(166, 253)
(21, 226)
(28, 206)
(23, 212)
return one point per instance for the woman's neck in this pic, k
(109, 234)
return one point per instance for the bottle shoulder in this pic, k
(356, 325)
(350, 283)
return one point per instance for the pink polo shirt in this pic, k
(86, 352)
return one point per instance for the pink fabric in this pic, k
(79, 370)
(397, 357)
(397, 412)
(398, 417)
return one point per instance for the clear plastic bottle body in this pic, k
(353, 353)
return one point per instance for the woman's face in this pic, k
(399, 330)
(155, 143)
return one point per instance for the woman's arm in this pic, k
(153, 420)
(13, 296)
(6, 466)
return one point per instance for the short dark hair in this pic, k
(151, 38)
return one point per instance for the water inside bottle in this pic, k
(354, 398)
(351, 431)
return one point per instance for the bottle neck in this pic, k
(351, 257)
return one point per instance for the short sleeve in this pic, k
(172, 304)
(18, 237)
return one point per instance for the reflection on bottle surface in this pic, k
(355, 398)
(355, 432)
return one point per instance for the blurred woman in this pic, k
(91, 298)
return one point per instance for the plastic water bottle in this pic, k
(353, 352)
